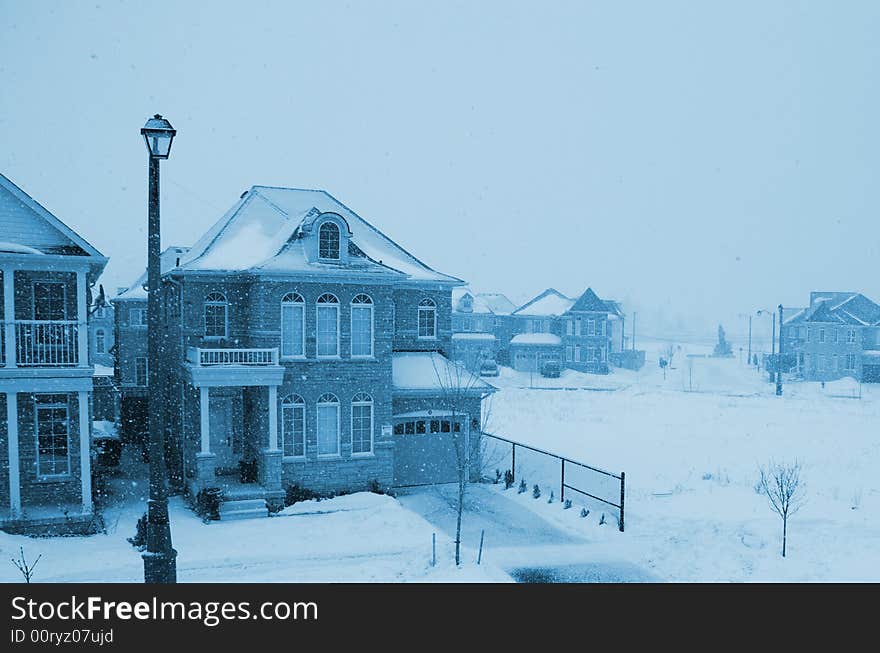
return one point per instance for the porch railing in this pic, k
(45, 343)
(211, 357)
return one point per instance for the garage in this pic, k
(424, 448)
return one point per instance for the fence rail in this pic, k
(210, 357)
(617, 501)
(45, 343)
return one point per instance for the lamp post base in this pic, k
(160, 567)
(160, 558)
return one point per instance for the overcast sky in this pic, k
(695, 162)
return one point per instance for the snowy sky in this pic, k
(695, 162)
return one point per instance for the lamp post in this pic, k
(159, 558)
(772, 337)
(779, 362)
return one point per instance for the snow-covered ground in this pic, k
(691, 445)
(361, 537)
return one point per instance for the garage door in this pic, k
(424, 452)
(524, 362)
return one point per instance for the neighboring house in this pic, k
(45, 371)
(529, 351)
(837, 335)
(303, 341)
(130, 348)
(589, 330)
(482, 327)
(102, 335)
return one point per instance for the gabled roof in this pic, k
(590, 302)
(548, 339)
(23, 222)
(484, 302)
(549, 303)
(167, 261)
(852, 309)
(261, 233)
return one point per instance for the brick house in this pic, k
(837, 335)
(588, 329)
(481, 326)
(46, 375)
(303, 342)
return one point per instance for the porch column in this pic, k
(205, 419)
(9, 315)
(82, 327)
(273, 417)
(85, 462)
(14, 464)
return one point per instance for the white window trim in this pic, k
(433, 309)
(50, 406)
(338, 256)
(225, 305)
(146, 360)
(103, 334)
(293, 406)
(371, 452)
(352, 306)
(338, 453)
(301, 304)
(318, 306)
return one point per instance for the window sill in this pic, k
(426, 337)
(363, 358)
(360, 456)
(335, 357)
(293, 459)
(329, 456)
(55, 478)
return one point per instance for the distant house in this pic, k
(307, 346)
(46, 375)
(481, 326)
(589, 331)
(837, 335)
(529, 351)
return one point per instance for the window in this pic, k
(821, 363)
(577, 353)
(361, 424)
(602, 355)
(138, 317)
(851, 339)
(50, 301)
(545, 326)
(141, 370)
(427, 318)
(293, 426)
(328, 239)
(328, 325)
(361, 326)
(215, 315)
(430, 426)
(577, 326)
(834, 335)
(591, 327)
(100, 342)
(53, 435)
(803, 333)
(328, 425)
(591, 354)
(293, 315)
(835, 363)
(808, 334)
(602, 329)
(850, 361)
(100, 313)
(569, 327)
(569, 352)
(821, 335)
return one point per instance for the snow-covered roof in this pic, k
(536, 339)
(549, 303)
(168, 261)
(260, 234)
(16, 248)
(432, 372)
(473, 336)
(103, 370)
(852, 309)
(871, 353)
(466, 301)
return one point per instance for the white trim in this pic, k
(82, 319)
(368, 305)
(14, 463)
(371, 404)
(318, 405)
(273, 417)
(205, 419)
(85, 461)
(9, 315)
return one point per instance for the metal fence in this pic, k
(598, 484)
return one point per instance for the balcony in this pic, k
(233, 367)
(40, 343)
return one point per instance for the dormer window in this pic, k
(328, 241)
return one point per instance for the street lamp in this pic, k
(159, 558)
(764, 311)
(779, 362)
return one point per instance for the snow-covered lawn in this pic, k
(691, 460)
(361, 537)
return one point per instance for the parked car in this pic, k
(489, 368)
(106, 444)
(551, 369)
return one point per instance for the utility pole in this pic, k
(779, 361)
(634, 331)
(749, 360)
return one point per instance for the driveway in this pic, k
(518, 540)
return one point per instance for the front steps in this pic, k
(243, 509)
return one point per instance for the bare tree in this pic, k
(26, 569)
(782, 484)
(457, 385)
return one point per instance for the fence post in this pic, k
(513, 462)
(562, 483)
(622, 494)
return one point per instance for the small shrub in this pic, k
(707, 476)
(584, 512)
(208, 503)
(508, 479)
(26, 568)
(139, 539)
(522, 486)
(295, 493)
(602, 519)
(536, 491)
(567, 504)
(375, 488)
(550, 499)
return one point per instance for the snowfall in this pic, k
(691, 443)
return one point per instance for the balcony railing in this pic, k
(250, 357)
(43, 343)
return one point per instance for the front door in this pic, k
(222, 429)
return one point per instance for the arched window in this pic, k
(293, 426)
(328, 325)
(361, 424)
(427, 318)
(293, 328)
(216, 308)
(328, 425)
(361, 326)
(328, 241)
(100, 342)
